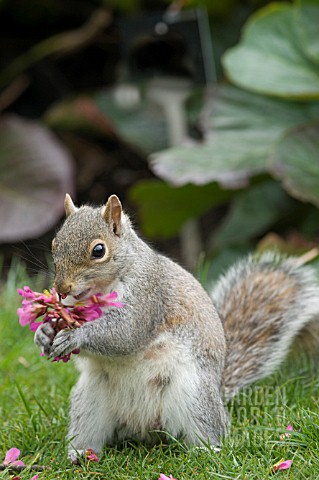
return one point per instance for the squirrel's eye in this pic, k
(98, 251)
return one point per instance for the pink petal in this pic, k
(23, 318)
(91, 455)
(18, 463)
(26, 314)
(26, 292)
(64, 358)
(107, 296)
(111, 295)
(107, 299)
(11, 455)
(92, 313)
(164, 477)
(286, 435)
(34, 326)
(283, 465)
(115, 304)
(35, 477)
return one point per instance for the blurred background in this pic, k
(202, 116)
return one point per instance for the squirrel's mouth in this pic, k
(82, 295)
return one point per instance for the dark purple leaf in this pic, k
(35, 173)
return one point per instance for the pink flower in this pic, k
(286, 435)
(105, 300)
(90, 312)
(282, 465)
(27, 293)
(30, 311)
(91, 455)
(26, 313)
(48, 305)
(165, 477)
(11, 458)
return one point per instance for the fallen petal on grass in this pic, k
(91, 455)
(11, 457)
(286, 435)
(282, 465)
(165, 477)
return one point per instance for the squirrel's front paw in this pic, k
(44, 336)
(65, 342)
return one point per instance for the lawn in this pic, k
(34, 415)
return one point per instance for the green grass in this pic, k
(34, 413)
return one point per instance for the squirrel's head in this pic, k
(87, 249)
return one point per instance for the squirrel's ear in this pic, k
(112, 214)
(69, 205)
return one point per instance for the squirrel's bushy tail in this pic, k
(264, 303)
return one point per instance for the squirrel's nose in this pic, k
(63, 289)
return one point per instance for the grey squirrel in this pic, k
(174, 354)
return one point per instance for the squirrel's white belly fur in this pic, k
(153, 390)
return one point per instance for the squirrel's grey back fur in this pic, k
(162, 362)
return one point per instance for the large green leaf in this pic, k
(296, 162)
(307, 19)
(164, 209)
(140, 123)
(236, 109)
(222, 159)
(270, 58)
(140, 120)
(242, 129)
(35, 173)
(252, 213)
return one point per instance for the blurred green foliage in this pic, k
(270, 126)
(250, 166)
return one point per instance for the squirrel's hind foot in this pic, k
(75, 456)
